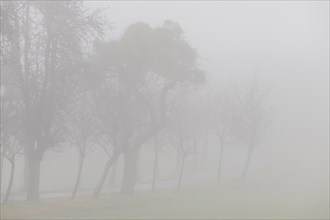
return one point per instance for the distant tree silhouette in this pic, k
(81, 129)
(140, 71)
(254, 116)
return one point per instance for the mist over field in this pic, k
(165, 109)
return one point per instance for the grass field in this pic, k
(226, 200)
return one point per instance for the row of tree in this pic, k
(62, 84)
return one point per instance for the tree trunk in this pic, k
(104, 176)
(112, 177)
(80, 166)
(34, 177)
(205, 150)
(155, 169)
(130, 172)
(1, 168)
(247, 162)
(195, 146)
(178, 162)
(26, 174)
(11, 180)
(181, 171)
(137, 167)
(220, 159)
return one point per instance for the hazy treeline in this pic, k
(63, 83)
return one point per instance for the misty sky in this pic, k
(285, 42)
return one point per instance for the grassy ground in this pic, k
(229, 200)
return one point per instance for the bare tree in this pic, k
(254, 116)
(81, 130)
(44, 50)
(11, 149)
(204, 123)
(11, 132)
(225, 109)
(182, 129)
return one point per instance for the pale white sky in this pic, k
(287, 42)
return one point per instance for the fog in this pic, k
(232, 96)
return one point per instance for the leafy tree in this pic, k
(44, 42)
(139, 71)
